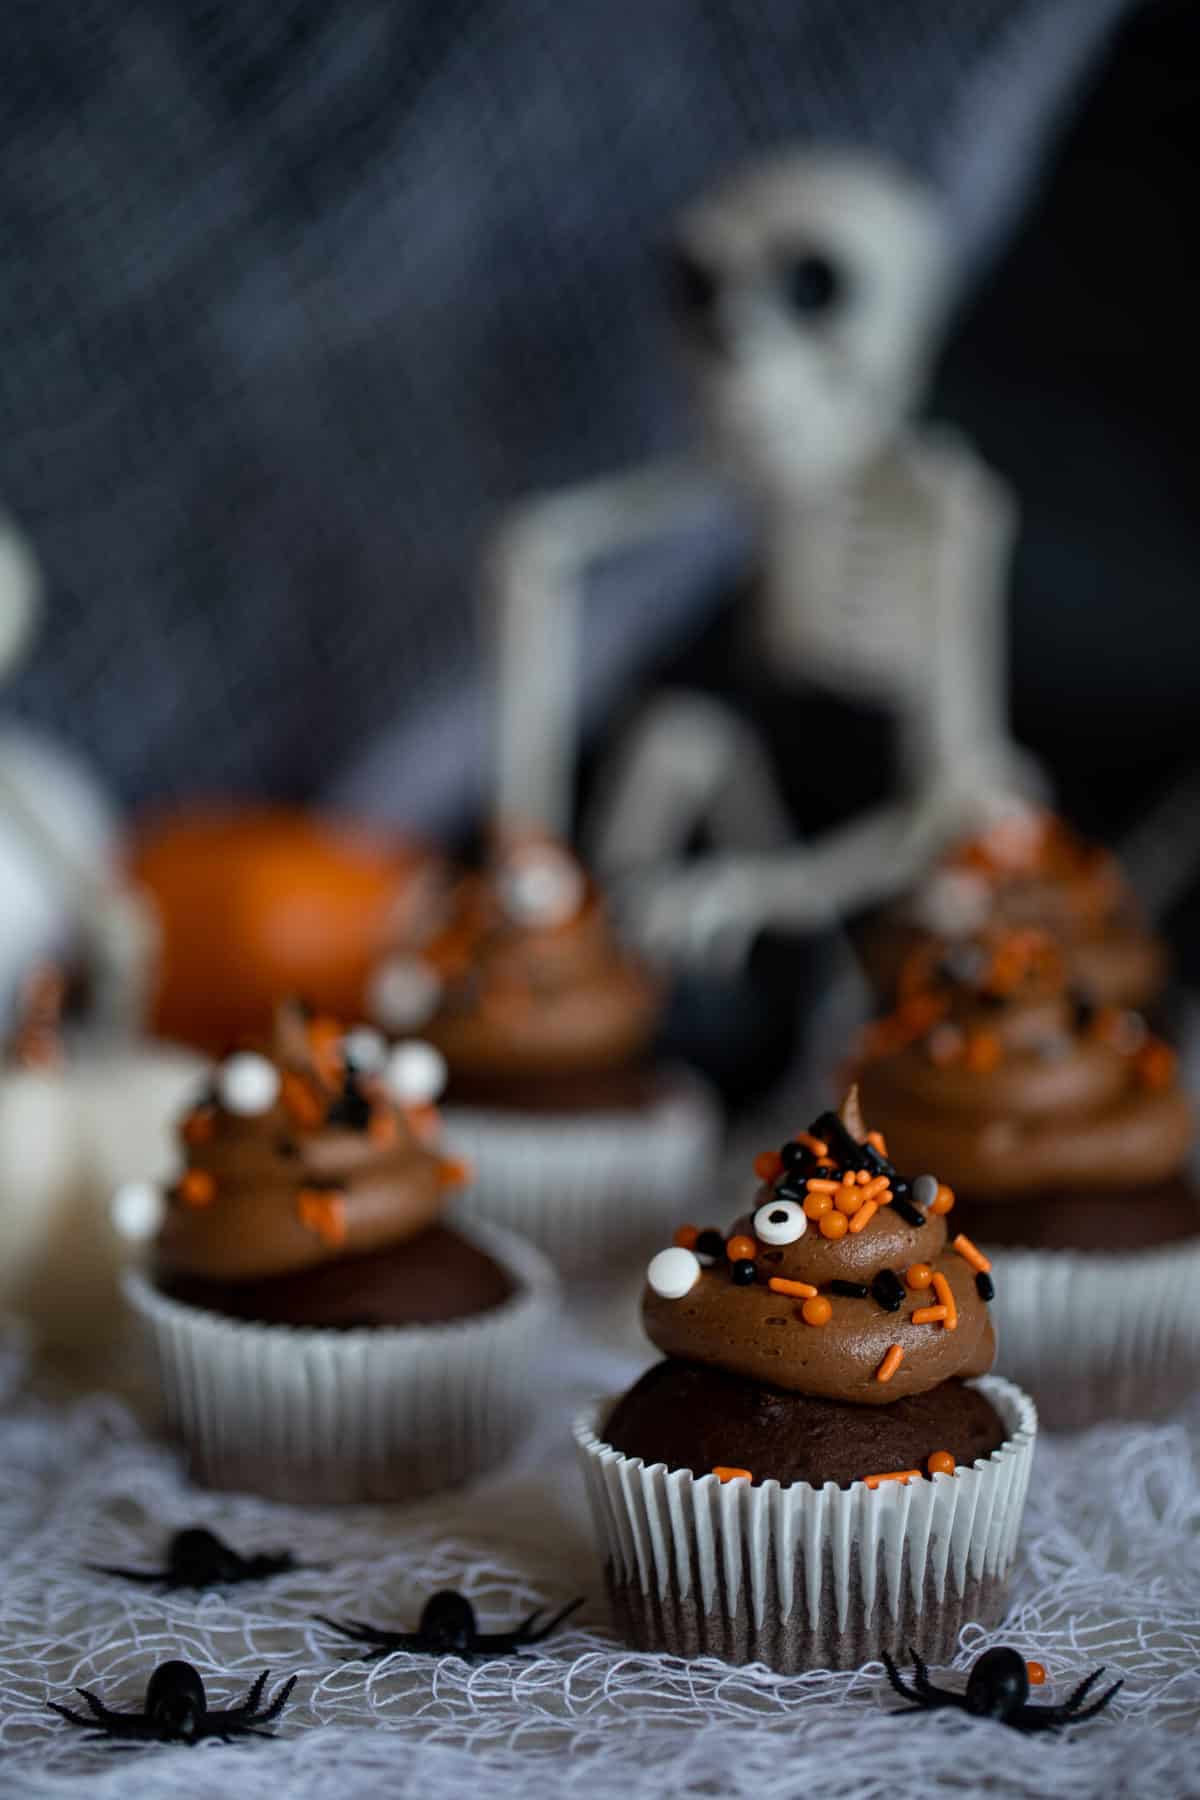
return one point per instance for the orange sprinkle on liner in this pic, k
(848, 1199)
(890, 1364)
(816, 1184)
(833, 1225)
(724, 1474)
(741, 1249)
(817, 1145)
(796, 1290)
(453, 1173)
(930, 1315)
(685, 1237)
(874, 1481)
(941, 1463)
(323, 1211)
(303, 1105)
(941, 1288)
(877, 1141)
(1036, 1673)
(817, 1205)
(944, 1200)
(863, 1216)
(817, 1311)
(767, 1165)
(197, 1187)
(970, 1254)
(918, 1275)
(199, 1126)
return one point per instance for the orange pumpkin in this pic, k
(259, 902)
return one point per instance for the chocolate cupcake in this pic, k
(1030, 869)
(1064, 1132)
(321, 1334)
(575, 1136)
(822, 1468)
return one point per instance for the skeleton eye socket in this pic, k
(691, 286)
(812, 283)
(780, 1222)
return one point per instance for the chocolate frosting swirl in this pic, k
(753, 1330)
(990, 1072)
(331, 1167)
(534, 980)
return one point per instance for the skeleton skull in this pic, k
(809, 292)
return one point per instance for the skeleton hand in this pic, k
(707, 913)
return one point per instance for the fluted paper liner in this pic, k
(587, 1187)
(800, 1577)
(304, 1414)
(1099, 1335)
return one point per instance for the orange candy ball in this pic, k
(197, 1187)
(848, 1200)
(944, 1201)
(817, 1205)
(741, 1249)
(918, 1275)
(768, 1164)
(685, 1237)
(833, 1225)
(941, 1463)
(1036, 1673)
(816, 1311)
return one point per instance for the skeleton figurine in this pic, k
(809, 294)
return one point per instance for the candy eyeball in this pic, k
(925, 1191)
(403, 993)
(137, 1210)
(365, 1049)
(780, 1222)
(540, 886)
(416, 1073)
(673, 1273)
(247, 1084)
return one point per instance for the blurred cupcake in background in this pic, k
(575, 1136)
(1029, 869)
(320, 1333)
(1063, 1132)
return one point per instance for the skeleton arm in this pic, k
(534, 581)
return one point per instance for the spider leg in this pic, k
(1089, 1712)
(250, 1703)
(150, 1577)
(277, 1705)
(527, 1635)
(1076, 1698)
(73, 1718)
(898, 1682)
(362, 1633)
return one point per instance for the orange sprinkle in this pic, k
(918, 1275)
(983, 1052)
(848, 1199)
(685, 1237)
(816, 1184)
(817, 1205)
(741, 1249)
(796, 1290)
(199, 1126)
(323, 1210)
(383, 1127)
(877, 1141)
(1036, 1673)
(873, 1481)
(861, 1176)
(767, 1165)
(944, 1200)
(873, 1189)
(453, 1172)
(197, 1187)
(817, 1145)
(817, 1311)
(723, 1473)
(301, 1101)
(970, 1254)
(325, 1047)
(1155, 1064)
(890, 1364)
(864, 1215)
(941, 1288)
(930, 1315)
(941, 1463)
(833, 1225)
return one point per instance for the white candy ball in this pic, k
(247, 1084)
(541, 887)
(416, 1073)
(366, 1049)
(403, 993)
(136, 1210)
(673, 1273)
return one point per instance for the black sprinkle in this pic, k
(789, 1190)
(710, 1243)
(912, 1215)
(287, 1146)
(742, 1273)
(351, 1108)
(1085, 1010)
(985, 1287)
(794, 1155)
(872, 1159)
(887, 1290)
(846, 1149)
(850, 1290)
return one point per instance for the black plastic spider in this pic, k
(197, 1558)
(177, 1710)
(998, 1688)
(448, 1628)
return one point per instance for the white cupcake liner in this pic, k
(315, 1415)
(588, 1187)
(1099, 1335)
(799, 1577)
